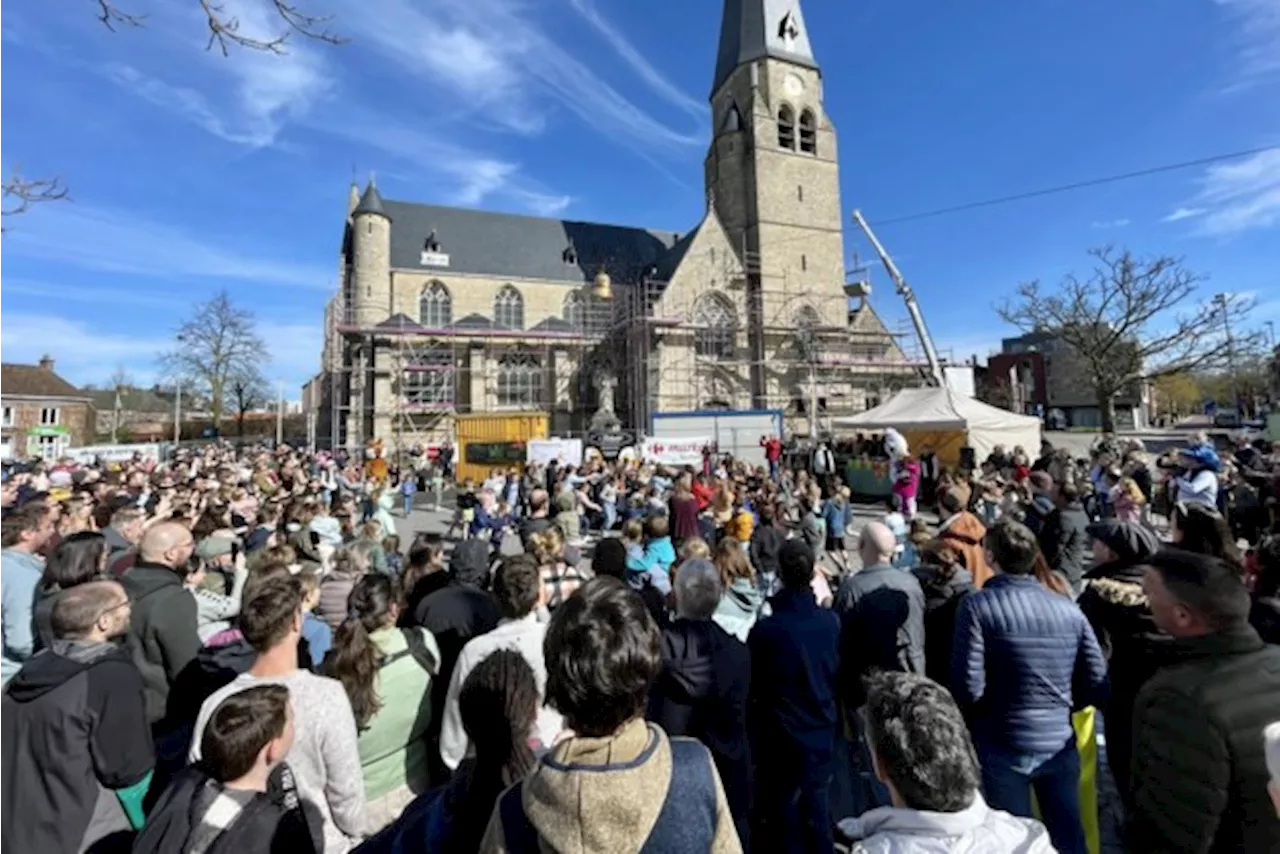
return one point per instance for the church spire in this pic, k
(754, 29)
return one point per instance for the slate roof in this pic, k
(34, 381)
(506, 245)
(370, 202)
(401, 322)
(752, 29)
(131, 400)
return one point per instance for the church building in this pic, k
(444, 311)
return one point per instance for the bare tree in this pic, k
(248, 391)
(21, 194)
(1131, 319)
(216, 344)
(224, 28)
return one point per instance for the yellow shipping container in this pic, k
(487, 441)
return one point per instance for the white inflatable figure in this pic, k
(895, 444)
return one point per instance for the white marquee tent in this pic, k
(946, 421)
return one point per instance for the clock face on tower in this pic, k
(794, 85)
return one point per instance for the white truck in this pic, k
(735, 431)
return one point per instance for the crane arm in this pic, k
(908, 297)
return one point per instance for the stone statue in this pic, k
(606, 384)
(605, 420)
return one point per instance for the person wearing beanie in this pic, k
(1117, 608)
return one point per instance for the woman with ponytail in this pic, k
(499, 704)
(387, 673)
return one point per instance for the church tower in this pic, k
(772, 176)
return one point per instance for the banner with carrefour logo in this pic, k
(682, 451)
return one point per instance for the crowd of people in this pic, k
(231, 651)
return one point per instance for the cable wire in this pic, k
(1063, 188)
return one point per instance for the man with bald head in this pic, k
(881, 612)
(74, 720)
(162, 635)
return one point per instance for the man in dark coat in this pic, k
(1116, 607)
(77, 749)
(1063, 537)
(792, 712)
(1024, 660)
(702, 691)
(162, 636)
(454, 614)
(881, 610)
(1199, 776)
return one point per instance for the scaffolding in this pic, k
(733, 342)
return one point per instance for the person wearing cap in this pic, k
(1198, 481)
(214, 611)
(1117, 609)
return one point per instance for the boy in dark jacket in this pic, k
(241, 799)
(1024, 660)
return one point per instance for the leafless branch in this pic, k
(113, 16)
(1131, 319)
(224, 28)
(20, 194)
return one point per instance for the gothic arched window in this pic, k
(716, 328)
(520, 380)
(435, 306)
(575, 310)
(508, 309)
(808, 132)
(787, 128)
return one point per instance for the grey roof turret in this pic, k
(371, 202)
(754, 29)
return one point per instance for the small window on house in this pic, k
(808, 133)
(575, 310)
(799, 192)
(8, 417)
(787, 128)
(49, 416)
(570, 255)
(368, 227)
(804, 262)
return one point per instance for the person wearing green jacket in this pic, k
(387, 673)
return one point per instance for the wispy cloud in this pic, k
(1110, 223)
(1239, 196)
(247, 98)
(83, 354)
(112, 240)
(641, 66)
(1179, 214)
(1258, 41)
(454, 174)
(120, 297)
(494, 57)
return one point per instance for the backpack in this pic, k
(686, 823)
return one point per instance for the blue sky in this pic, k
(192, 172)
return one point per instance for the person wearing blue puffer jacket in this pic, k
(1023, 660)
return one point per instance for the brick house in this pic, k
(43, 414)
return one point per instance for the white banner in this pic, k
(564, 451)
(682, 451)
(114, 453)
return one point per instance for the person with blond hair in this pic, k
(741, 601)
